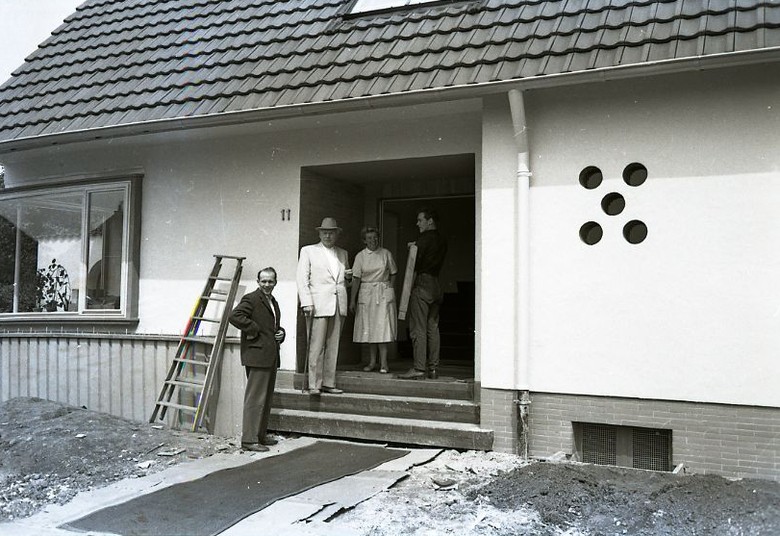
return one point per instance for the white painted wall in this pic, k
(692, 313)
(496, 337)
(221, 191)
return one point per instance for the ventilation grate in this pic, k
(625, 446)
(652, 449)
(599, 444)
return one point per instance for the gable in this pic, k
(125, 62)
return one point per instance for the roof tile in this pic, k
(119, 61)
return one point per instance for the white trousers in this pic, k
(324, 350)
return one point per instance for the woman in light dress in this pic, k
(373, 298)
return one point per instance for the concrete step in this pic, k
(385, 429)
(387, 384)
(380, 405)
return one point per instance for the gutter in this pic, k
(423, 96)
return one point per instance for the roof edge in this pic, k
(422, 96)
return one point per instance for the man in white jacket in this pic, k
(323, 275)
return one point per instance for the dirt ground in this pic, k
(49, 452)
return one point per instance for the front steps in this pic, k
(374, 407)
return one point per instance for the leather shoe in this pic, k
(331, 390)
(314, 392)
(412, 374)
(268, 441)
(254, 447)
(433, 374)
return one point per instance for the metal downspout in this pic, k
(523, 254)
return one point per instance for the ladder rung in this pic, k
(219, 292)
(202, 340)
(203, 318)
(178, 406)
(215, 298)
(192, 361)
(182, 383)
(230, 257)
(217, 278)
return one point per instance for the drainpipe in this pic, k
(523, 254)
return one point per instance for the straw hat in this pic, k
(329, 224)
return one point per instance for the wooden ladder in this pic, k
(198, 358)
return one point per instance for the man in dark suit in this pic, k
(257, 316)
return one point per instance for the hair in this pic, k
(369, 229)
(430, 214)
(269, 270)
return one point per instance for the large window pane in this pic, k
(104, 260)
(66, 251)
(42, 253)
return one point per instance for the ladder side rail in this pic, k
(219, 345)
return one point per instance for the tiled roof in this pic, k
(116, 62)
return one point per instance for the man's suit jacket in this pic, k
(254, 317)
(318, 284)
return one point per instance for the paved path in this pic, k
(285, 517)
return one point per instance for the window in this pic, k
(365, 6)
(69, 252)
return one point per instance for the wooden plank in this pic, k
(406, 290)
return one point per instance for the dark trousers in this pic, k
(424, 303)
(257, 403)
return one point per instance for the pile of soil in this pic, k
(49, 452)
(613, 500)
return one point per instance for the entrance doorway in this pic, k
(388, 194)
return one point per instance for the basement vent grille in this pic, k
(599, 444)
(652, 449)
(626, 446)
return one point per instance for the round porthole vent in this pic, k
(635, 231)
(591, 177)
(591, 233)
(613, 204)
(635, 174)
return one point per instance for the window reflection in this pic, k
(41, 240)
(104, 264)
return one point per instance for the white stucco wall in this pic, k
(497, 334)
(221, 190)
(693, 312)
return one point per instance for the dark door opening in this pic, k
(388, 194)
(456, 324)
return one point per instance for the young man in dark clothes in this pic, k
(426, 297)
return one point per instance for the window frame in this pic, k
(130, 184)
(395, 5)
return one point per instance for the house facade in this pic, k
(607, 175)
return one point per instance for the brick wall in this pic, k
(732, 441)
(737, 441)
(498, 412)
(321, 197)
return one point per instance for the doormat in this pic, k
(213, 503)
